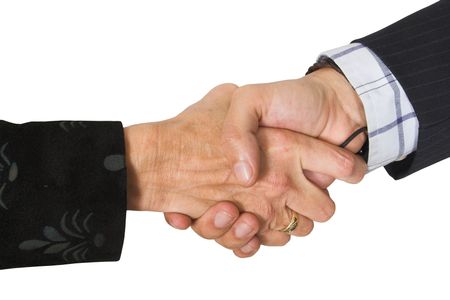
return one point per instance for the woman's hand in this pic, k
(179, 165)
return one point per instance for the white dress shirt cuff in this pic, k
(392, 124)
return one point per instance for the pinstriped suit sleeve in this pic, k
(391, 121)
(416, 50)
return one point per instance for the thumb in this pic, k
(290, 104)
(239, 135)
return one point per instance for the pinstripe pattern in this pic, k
(416, 50)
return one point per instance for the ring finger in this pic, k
(304, 226)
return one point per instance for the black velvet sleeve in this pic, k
(62, 192)
(416, 49)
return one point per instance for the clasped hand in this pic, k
(238, 164)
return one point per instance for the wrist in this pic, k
(141, 148)
(347, 111)
(174, 166)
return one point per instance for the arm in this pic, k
(416, 50)
(65, 187)
(304, 104)
(63, 192)
(400, 77)
(179, 166)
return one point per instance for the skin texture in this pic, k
(322, 104)
(180, 165)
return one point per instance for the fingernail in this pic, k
(242, 230)
(243, 171)
(222, 219)
(247, 249)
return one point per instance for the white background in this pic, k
(139, 61)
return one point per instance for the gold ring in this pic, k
(292, 225)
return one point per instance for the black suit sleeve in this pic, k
(417, 51)
(62, 192)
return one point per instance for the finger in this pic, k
(178, 221)
(320, 180)
(311, 202)
(325, 158)
(274, 238)
(175, 202)
(239, 128)
(242, 231)
(304, 226)
(216, 100)
(216, 221)
(248, 249)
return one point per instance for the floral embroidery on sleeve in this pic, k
(72, 241)
(8, 173)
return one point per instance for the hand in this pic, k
(179, 165)
(221, 222)
(322, 104)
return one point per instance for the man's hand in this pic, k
(322, 104)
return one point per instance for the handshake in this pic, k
(250, 165)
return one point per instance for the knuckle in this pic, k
(227, 243)
(278, 240)
(280, 139)
(240, 254)
(346, 163)
(284, 241)
(266, 211)
(358, 177)
(307, 228)
(279, 181)
(178, 221)
(327, 211)
(244, 93)
(251, 220)
(230, 243)
(202, 232)
(225, 88)
(360, 172)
